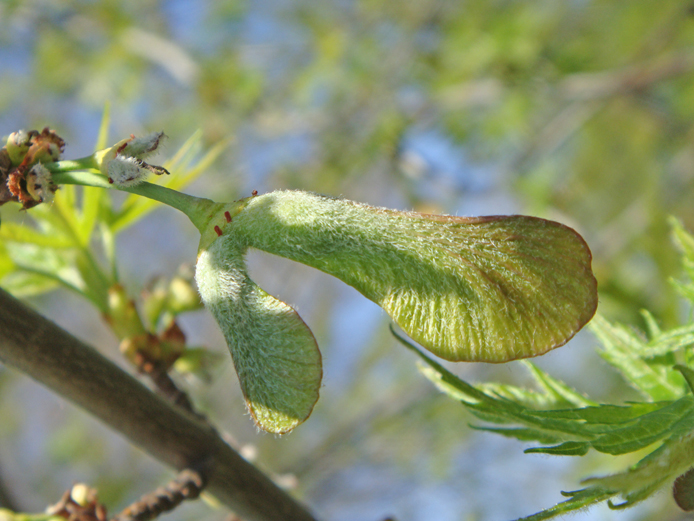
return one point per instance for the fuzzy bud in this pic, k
(123, 162)
(17, 145)
(127, 171)
(141, 147)
(39, 184)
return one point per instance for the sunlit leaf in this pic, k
(92, 201)
(102, 136)
(24, 284)
(623, 349)
(556, 388)
(21, 233)
(6, 264)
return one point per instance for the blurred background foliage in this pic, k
(580, 111)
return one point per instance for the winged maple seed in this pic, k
(488, 289)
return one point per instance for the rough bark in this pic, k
(50, 355)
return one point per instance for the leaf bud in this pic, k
(17, 145)
(123, 163)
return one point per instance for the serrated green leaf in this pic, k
(42, 269)
(621, 349)
(669, 341)
(527, 397)
(651, 325)
(607, 428)
(64, 206)
(605, 414)
(498, 410)
(670, 460)
(640, 495)
(555, 388)
(685, 290)
(676, 418)
(478, 289)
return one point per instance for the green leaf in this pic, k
(102, 136)
(93, 200)
(651, 324)
(607, 428)
(6, 264)
(274, 352)
(669, 341)
(527, 397)
(556, 389)
(683, 239)
(688, 374)
(522, 434)
(24, 284)
(624, 350)
(588, 497)
(658, 468)
(21, 233)
(606, 414)
(478, 289)
(41, 269)
(676, 418)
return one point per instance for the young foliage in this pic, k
(565, 423)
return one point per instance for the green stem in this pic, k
(198, 210)
(70, 165)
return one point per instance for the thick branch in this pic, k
(53, 357)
